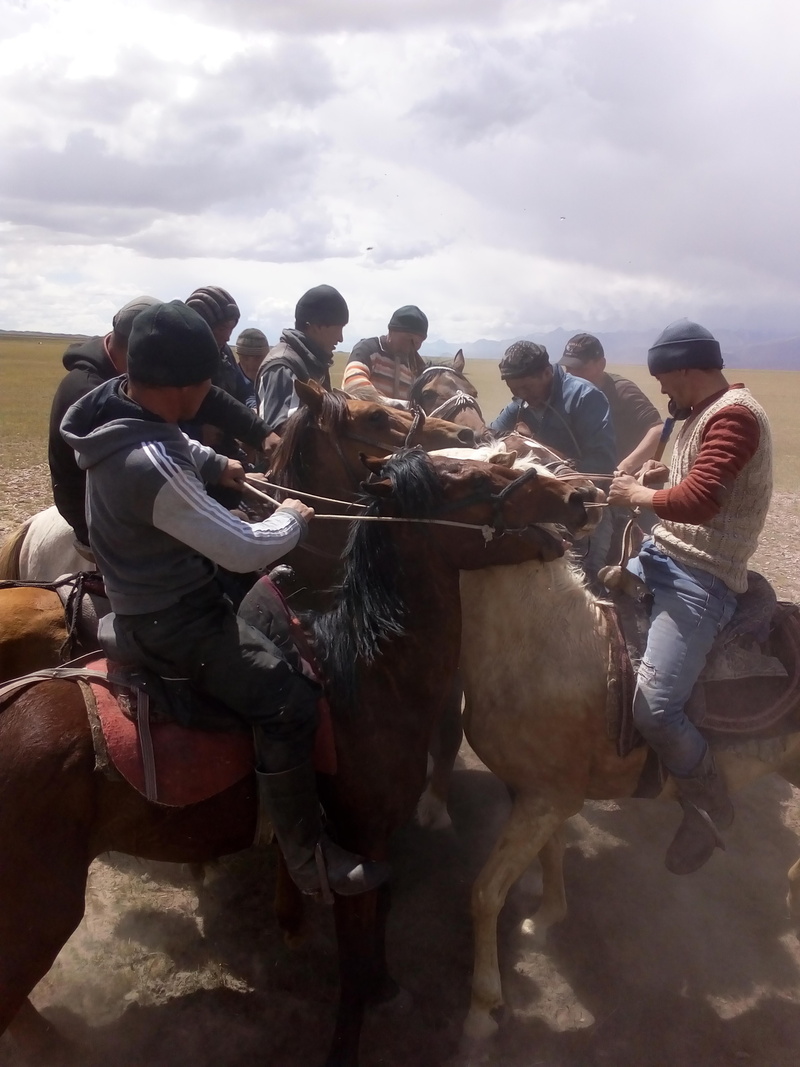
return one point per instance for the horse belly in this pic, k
(48, 549)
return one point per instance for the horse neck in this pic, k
(329, 476)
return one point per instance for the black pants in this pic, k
(202, 639)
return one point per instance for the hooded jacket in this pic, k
(89, 365)
(155, 532)
(294, 358)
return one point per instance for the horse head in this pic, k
(508, 515)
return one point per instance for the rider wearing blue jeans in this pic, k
(710, 516)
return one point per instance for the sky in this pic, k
(511, 167)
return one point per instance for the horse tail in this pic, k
(10, 552)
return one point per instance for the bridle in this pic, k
(357, 474)
(455, 404)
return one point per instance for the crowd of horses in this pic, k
(470, 591)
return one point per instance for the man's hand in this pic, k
(653, 473)
(627, 492)
(297, 506)
(269, 444)
(233, 475)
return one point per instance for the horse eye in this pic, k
(378, 416)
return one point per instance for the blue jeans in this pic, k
(690, 607)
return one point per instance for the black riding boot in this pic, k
(315, 862)
(707, 809)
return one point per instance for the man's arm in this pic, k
(357, 380)
(224, 411)
(645, 450)
(729, 442)
(507, 419)
(66, 477)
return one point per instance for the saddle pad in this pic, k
(190, 765)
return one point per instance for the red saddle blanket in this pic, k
(190, 765)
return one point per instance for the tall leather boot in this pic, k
(315, 862)
(707, 809)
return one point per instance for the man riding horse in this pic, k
(158, 537)
(711, 514)
(384, 368)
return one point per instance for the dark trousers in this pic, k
(202, 639)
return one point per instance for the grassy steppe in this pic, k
(31, 369)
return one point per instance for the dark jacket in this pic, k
(89, 366)
(575, 421)
(294, 358)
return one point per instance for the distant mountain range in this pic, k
(740, 348)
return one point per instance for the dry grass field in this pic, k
(648, 970)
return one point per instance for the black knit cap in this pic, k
(522, 359)
(409, 319)
(214, 305)
(321, 306)
(170, 345)
(684, 345)
(581, 349)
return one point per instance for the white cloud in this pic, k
(509, 167)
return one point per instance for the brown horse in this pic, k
(389, 649)
(319, 453)
(535, 653)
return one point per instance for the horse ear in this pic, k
(310, 394)
(459, 362)
(382, 489)
(503, 459)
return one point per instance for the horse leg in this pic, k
(529, 828)
(36, 1038)
(362, 968)
(289, 907)
(792, 776)
(445, 743)
(553, 906)
(42, 899)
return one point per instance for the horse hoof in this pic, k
(432, 812)
(479, 1026)
(536, 933)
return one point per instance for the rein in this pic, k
(460, 401)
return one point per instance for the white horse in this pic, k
(534, 655)
(41, 550)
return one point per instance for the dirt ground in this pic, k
(648, 970)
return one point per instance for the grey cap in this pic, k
(252, 342)
(122, 323)
(581, 349)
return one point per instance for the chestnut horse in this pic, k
(389, 649)
(319, 454)
(535, 652)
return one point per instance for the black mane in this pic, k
(370, 607)
(293, 458)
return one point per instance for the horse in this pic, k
(534, 662)
(319, 452)
(388, 648)
(41, 549)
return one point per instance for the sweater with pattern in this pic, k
(720, 483)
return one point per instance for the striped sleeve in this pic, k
(357, 380)
(183, 510)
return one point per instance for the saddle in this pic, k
(750, 686)
(174, 745)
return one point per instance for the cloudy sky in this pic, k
(509, 165)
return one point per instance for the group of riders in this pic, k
(145, 448)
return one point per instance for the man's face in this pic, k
(534, 389)
(327, 337)
(402, 343)
(677, 385)
(250, 364)
(223, 330)
(591, 370)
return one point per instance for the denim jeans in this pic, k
(690, 607)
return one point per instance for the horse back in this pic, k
(33, 631)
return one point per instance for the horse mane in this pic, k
(293, 459)
(370, 607)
